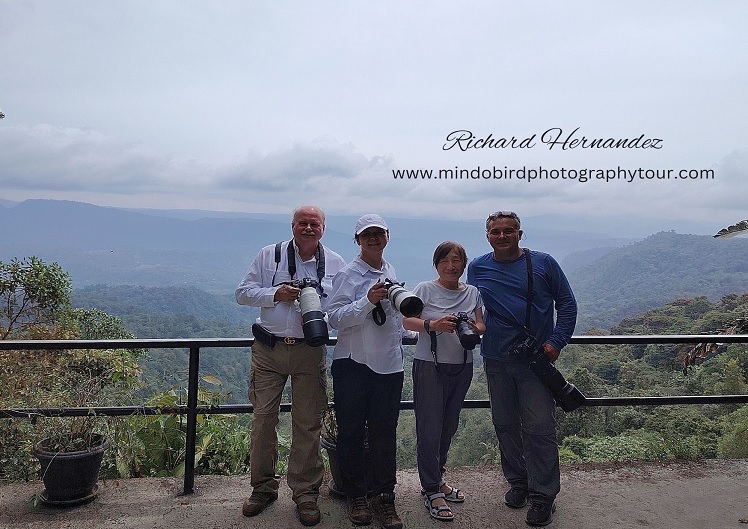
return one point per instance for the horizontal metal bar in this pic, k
(235, 409)
(186, 343)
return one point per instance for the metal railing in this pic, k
(192, 410)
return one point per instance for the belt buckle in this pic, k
(289, 340)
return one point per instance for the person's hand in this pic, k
(286, 294)
(551, 352)
(446, 323)
(377, 292)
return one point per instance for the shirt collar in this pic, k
(362, 267)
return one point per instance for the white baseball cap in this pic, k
(371, 220)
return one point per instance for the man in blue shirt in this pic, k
(523, 409)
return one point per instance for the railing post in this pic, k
(189, 455)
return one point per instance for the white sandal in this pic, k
(441, 512)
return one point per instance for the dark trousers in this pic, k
(437, 400)
(366, 404)
(524, 417)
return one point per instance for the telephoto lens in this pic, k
(567, 395)
(313, 319)
(407, 303)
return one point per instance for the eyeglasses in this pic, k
(502, 215)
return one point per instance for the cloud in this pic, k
(245, 107)
(44, 157)
(344, 180)
(309, 166)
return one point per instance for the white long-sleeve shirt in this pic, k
(257, 288)
(350, 312)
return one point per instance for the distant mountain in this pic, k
(663, 267)
(613, 276)
(209, 250)
(131, 303)
(584, 257)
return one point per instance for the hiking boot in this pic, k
(383, 507)
(358, 511)
(540, 513)
(516, 497)
(308, 512)
(257, 502)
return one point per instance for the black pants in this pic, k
(366, 404)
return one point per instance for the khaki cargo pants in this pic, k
(270, 370)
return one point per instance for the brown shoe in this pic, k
(257, 502)
(358, 511)
(308, 512)
(383, 507)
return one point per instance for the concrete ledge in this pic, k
(679, 495)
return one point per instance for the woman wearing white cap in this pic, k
(367, 373)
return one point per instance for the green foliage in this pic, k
(634, 446)
(155, 445)
(567, 457)
(665, 266)
(734, 444)
(32, 293)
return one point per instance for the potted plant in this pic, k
(70, 467)
(35, 305)
(329, 441)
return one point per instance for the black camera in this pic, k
(407, 303)
(469, 338)
(567, 395)
(312, 317)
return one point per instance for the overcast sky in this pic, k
(263, 106)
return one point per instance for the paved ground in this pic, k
(708, 494)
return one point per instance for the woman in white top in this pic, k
(367, 374)
(442, 370)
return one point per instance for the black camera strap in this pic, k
(378, 314)
(432, 335)
(319, 257)
(530, 294)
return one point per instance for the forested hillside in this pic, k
(179, 312)
(588, 434)
(637, 433)
(650, 273)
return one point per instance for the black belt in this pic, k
(290, 340)
(265, 337)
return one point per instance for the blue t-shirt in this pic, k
(503, 287)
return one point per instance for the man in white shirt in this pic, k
(280, 351)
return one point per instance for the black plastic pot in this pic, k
(334, 460)
(70, 477)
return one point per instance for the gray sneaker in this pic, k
(383, 507)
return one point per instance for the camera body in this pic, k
(567, 395)
(312, 317)
(407, 303)
(467, 335)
